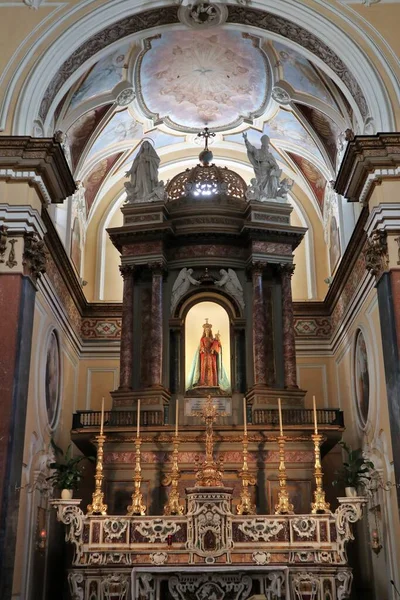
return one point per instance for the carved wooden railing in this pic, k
(293, 417)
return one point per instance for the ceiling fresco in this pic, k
(301, 74)
(103, 77)
(191, 79)
(121, 127)
(80, 132)
(313, 176)
(325, 127)
(96, 178)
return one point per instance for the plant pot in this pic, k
(350, 492)
(66, 494)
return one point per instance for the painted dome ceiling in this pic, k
(193, 79)
(169, 86)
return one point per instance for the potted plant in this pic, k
(355, 472)
(67, 471)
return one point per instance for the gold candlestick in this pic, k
(98, 507)
(320, 505)
(137, 507)
(284, 506)
(245, 506)
(173, 505)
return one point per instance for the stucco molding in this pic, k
(40, 162)
(368, 159)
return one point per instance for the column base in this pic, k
(264, 397)
(152, 399)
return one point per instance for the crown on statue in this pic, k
(207, 325)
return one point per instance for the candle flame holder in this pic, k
(319, 505)
(97, 507)
(245, 506)
(173, 505)
(137, 507)
(284, 506)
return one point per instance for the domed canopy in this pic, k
(206, 181)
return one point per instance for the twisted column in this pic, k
(289, 348)
(156, 324)
(126, 351)
(259, 349)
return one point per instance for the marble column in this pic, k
(240, 360)
(126, 351)
(289, 348)
(156, 324)
(259, 350)
(269, 336)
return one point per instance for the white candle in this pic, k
(280, 417)
(315, 416)
(176, 417)
(102, 417)
(138, 418)
(245, 415)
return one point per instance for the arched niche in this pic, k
(186, 329)
(207, 346)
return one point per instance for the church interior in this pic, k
(200, 300)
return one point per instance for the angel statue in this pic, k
(284, 188)
(265, 167)
(229, 280)
(181, 286)
(144, 185)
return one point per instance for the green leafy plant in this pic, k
(67, 471)
(356, 471)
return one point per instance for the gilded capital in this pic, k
(376, 253)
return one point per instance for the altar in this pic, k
(209, 481)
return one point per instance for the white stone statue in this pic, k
(284, 188)
(253, 191)
(265, 167)
(229, 280)
(144, 185)
(181, 286)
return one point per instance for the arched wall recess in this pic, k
(349, 52)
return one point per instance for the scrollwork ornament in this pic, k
(202, 15)
(3, 242)
(345, 579)
(125, 97)
(376, 253)
(72, 517)
(261, 529)
(280, 95)
(304, 527)
(159, 558)
(114, 528)
(75, 580)
(156, 530)
(35, 255)
(261, 558)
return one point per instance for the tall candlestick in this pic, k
(315, 416)
(138, 419)
(245, 415)
(176, 417)
(280, 417)
(102, 417)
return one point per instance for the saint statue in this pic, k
(265, 167)
(207, 369)
(144, 185)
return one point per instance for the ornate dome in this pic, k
(206, 181)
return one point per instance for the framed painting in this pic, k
(361, 376)
(52, 379)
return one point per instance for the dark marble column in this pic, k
(126, 351)
(259, 350)
(240, 360)
(289, 348)
(388, 289)
(269, 336)
(156, 324)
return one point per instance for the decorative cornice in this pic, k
(39, 161)
(368, 159)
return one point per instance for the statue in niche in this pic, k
(207, 369)
(230, 282)
(144, 185)
(265, 167)
(181, 286)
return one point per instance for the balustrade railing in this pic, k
(291, 417)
